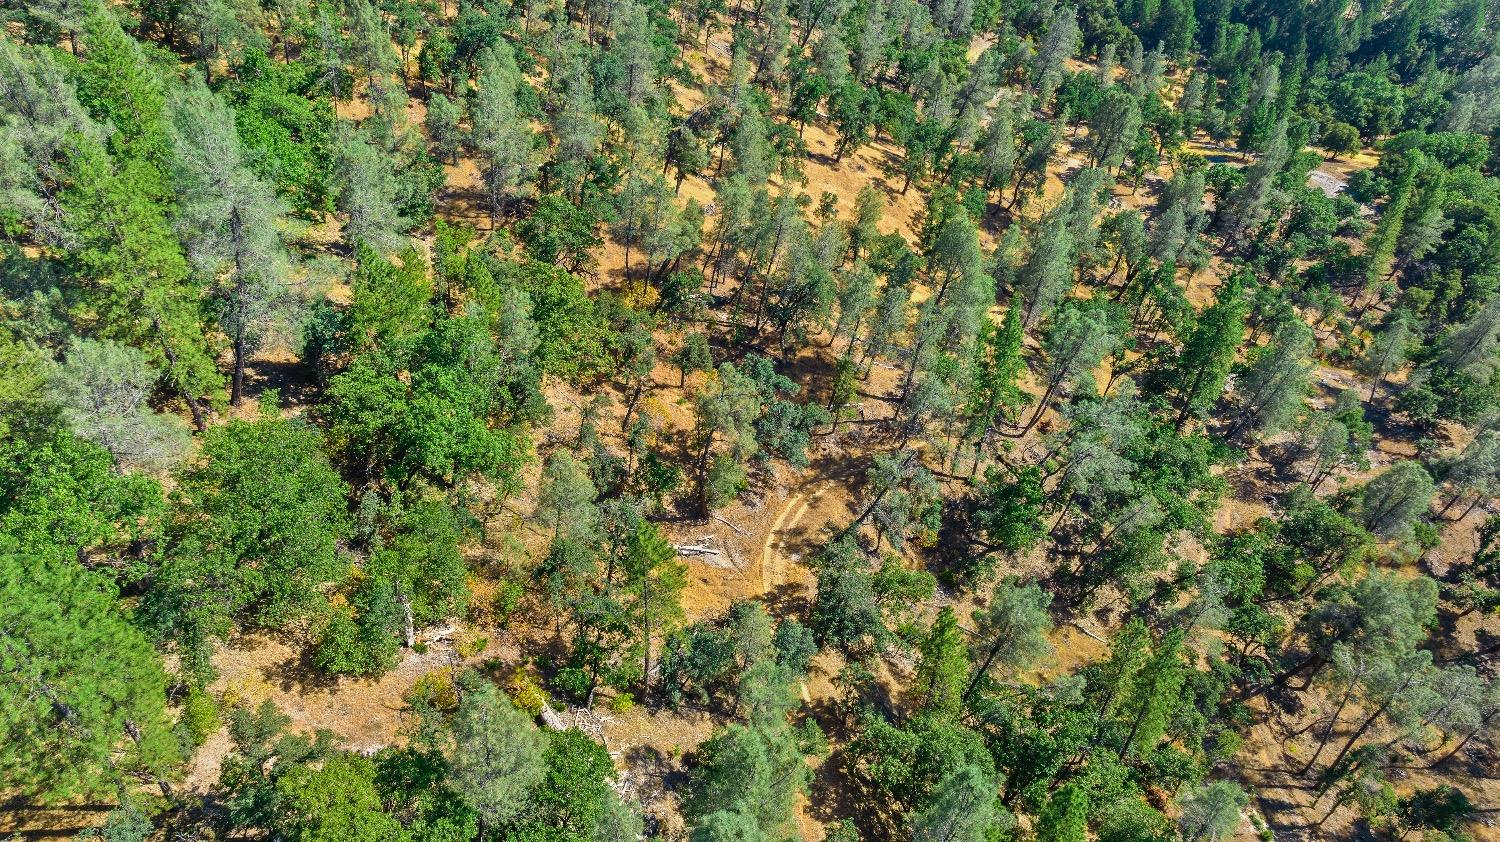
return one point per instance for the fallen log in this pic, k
(694, 549)
(737, 530)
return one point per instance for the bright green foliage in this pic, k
(83, 707)
(429, 410)
(61, 497)
(573, 796)
(1026, 360)
(118, 85)
(361, 639)
(994, 390)
(288, 130)
(258, 519)
(416, 576)
(727, 408)
(263, 753)
(565, 498)
(560, 232)
(392, 299)
(1008, 508)
(132, 281)
(1065, 818)
(570, 334)
(725, 826)
(337, 801)
(943, 671)
(1198, 375)
(413, 785)
(1153, 696)
(655, 579)
(755, 771)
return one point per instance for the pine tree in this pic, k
(1426, 223)
(1154, 696)
(228, 217)
(1271, 387)
(962, 808)
(496, 757)
(1011, 631)
(84, 707)
(1387, 354)
(1207, 356)
(443, 127)
(369, 194)
(133, 282)
(1391, 501)
(501, 135)
(1114, 128)
(656, 580)
(998, 149)
(1048, 272)
(1473, 469)
(1245, 207)
(565, 499)
(102, 389)
(1470, 346)
(1212, 813)
(1078, 338)
(993, 390)
(942, 671)
(727, 408)
(1059, 45)
(1380, 248)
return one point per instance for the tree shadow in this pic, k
(293, 379)
(788, 599)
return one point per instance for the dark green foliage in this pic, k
(906, 763)
(255, 535)
(846, 614)
(62, 498)
(567, 804)
(1008, 509)
(1065, 818)
(559, 232)
(85, 706)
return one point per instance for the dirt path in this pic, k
(772, 562)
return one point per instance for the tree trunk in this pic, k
(408, 624)
(237, 389)
(1358, 732)
(1484, 722)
